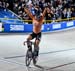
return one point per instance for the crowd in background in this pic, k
(57, 9)
(4, 4)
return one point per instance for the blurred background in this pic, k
(57, 9)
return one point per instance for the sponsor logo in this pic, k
(56, 26)
(16, 27)
(70, 23)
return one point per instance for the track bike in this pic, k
(31, 55)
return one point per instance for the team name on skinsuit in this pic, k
(16, 27)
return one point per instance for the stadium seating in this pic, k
(7, 16)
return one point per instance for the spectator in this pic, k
(49, 14)
(69, 13)
(15, 8)
(73, 12)
(64, 14)
(4, 4)
(10, 4)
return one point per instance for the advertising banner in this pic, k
(18, 28)
(29, 27)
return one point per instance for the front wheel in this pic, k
(28, 57)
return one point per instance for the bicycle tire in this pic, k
(34, 61)
(28, 58)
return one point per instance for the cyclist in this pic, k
(37, 21)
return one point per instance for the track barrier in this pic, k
(27, 28)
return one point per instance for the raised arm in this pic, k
(44, 12)
(28, 12)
